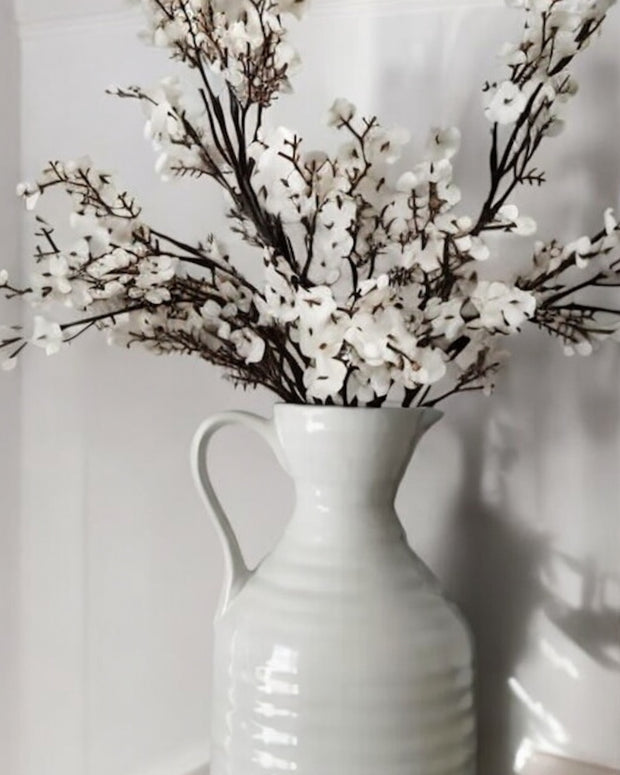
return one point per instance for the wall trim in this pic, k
(394, 7)
(73, 23)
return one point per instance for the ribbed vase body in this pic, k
(338, 655)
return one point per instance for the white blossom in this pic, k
(386, 145)
(29, 193)
(325, 378)
(505, 103)
(59, 272)
(295, 7)
(279, 300)
(521, 225)
(156, 271)
(611, 224)
(512, 54)
(47, 335)
(583, 348)
(501, 308)
(473, 246)
(431, 251)
(581, 250)
(315, 306)
(443, 143)
(432, 366)
(249, 345)
(340, 112)
(320, 326)
(380, 336)
(91, 228)
(277, 180)
(445, 317)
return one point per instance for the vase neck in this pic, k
(352, 495)
(348, 461)
(326, 518)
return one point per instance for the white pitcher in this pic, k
(338, 654)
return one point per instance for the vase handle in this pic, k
(237, 572)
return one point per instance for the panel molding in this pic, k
(62, 23)
(394, 7)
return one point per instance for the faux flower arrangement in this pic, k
(371, 288)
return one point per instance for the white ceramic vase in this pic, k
(338, 654)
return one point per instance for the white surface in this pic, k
(119, 571)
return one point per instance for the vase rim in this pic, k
(430, 411)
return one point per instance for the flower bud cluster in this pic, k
(243, 41)
(377, 285)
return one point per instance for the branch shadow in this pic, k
(594, 624)
(500, 568)
(493, 574)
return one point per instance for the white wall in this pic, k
(61, 11)
(513, 500)
(9, 396)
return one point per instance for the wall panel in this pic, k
(512, 500)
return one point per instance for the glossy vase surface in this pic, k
(338, 655)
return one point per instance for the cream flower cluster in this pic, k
(555, 31)
(377, 285)
(243, 41)
(374, 318)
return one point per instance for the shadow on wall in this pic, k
(594, 624)
(593, 621)
(503, 570)
(590, 615)
(500, 567)
(493, 576)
